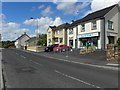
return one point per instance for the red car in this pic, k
(62, 48)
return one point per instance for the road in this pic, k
(27, 70)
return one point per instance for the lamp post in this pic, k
(37, 26)
(37, 29)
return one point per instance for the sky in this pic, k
(35, 16)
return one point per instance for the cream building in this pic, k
(98, 28)
(57, 35)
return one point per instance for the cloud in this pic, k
(41, 6)
(11, 30)
(97, 5)
(44, 23)
(72, 7)
(47, 11)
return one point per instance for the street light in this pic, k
(37, 30)
(37, 27)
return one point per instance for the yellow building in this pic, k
(57, 35)
(51, 35)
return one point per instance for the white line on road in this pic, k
(106, 67)
(36, 62)
(78, 80)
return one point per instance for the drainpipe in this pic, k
(103, 34)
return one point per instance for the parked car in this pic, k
(50, 48)
(62, 48)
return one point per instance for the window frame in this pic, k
(94, 25)
(110, 25)
(82, 28)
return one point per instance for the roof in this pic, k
(52, 27)
(98, 14)
(31, 39)
(65, 25)
(22, 36)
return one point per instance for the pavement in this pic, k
(1, 78)
(95, 58)
(24, 69)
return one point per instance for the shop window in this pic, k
(71, 31)
(61, 40)
(70, 42)
(110, 25)
(83, 28)
(94, 25)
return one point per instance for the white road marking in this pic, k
(78, 80)
(36, 63)
(105, 67)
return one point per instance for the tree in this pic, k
(118, 41)
(43, 40)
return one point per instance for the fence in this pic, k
(113, 53)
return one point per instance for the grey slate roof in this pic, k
(65, 25)
(22, 36)
(94, 15)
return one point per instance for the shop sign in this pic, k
(88, 35)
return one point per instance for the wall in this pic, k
(113, 15)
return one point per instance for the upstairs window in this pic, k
(94, 25)
(110, 25)
(83, 28)
(49, 34)
(57, 32)
(60, 32)
(71, 31)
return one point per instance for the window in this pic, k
(94, 25)
(57, 32)
(56, 39)
(71, 31)
(49, 34)
(60, 32)
(110, 25)
(61, 40)
(83, 28)
(49, 40)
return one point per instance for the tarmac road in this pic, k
(27, 70)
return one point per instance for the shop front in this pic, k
(88, 39)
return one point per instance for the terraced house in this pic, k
(57, 35)
(97, 28)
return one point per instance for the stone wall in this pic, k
(113, 53)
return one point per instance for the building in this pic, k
(57, 35)
(98, 28)
(51, 35)
(20, 42)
